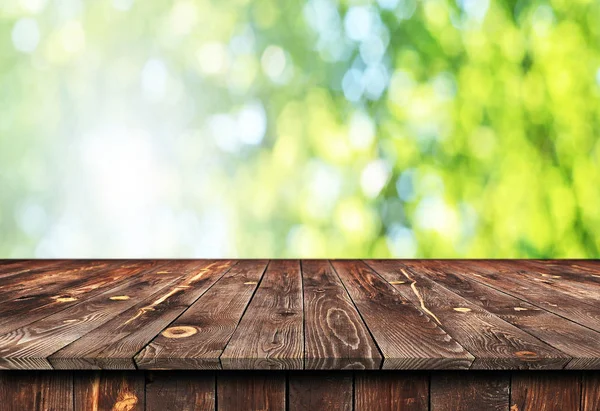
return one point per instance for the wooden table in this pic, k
(290, 334)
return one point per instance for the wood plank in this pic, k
(241, 391)
(311, 391)
(48, 335)
(385, 391)
(408, 338)
(270, 334)
(51, 279)
(495, 343)
(118, 391)
(10, 268)
(180, 391)
(575, 340)
(581, 271)
(533, 293)
(36, 390)
(558, 280)
(210, 322)
(470, 391)
(590, 395)
(114, 344)
(545, 391)
(335, 335)
(24, 311)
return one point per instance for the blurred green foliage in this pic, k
(264, 128)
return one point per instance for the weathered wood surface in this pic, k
(300, 315)
(308, 390)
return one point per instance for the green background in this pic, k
(266, 128)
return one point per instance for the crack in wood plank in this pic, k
(413, 286)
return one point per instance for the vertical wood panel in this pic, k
(36, 391)
(386, 391)
(590, 396)
(241, 391)
(470, 391)
(310, 391)
(119, 391)
(180, 391)
(545, 391)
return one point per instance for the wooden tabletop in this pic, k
(291, 314)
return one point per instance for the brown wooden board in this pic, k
(312, 391)
(335, 335)
(36, 390)
(590, 392)
(249, 391)
(573, 339)
(180, 391)
(495, 343)
(408, 338)
(42, 338)
(545, 391)
(114, 344)
(270, 334)
(18, 313)
(197, 338)
(384, 391)
(115, 391)
(470, 391)
(575, 308)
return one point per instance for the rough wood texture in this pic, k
(180, 391)
(39, 391)
(590, 395)
(311, 391)
(335, 335)
(470, 391)
(209, 323)
(391, 391)
(545, 391)
(408, 338)
(251, 391)
(271, 333)
(291, 314)
(298, 390)
(115, 391)
(116, 342)
(495, 343)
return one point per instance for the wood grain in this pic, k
(408, 338)
(470, 391)
(545, 391)
(115, 391)
(577, 341)
(495, 343)
(386, 391)
(238, 391)
(36, 390)
(577, 309)
(590, 395)
(180, 391)
(114, 344)
(23, 311)
(271, 332)
(210, 322)
(311, 391)
(335, 335)
(48, 335)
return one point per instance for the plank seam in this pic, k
(360, 315)
(183, 312)
(441, 285)
(244, 312)
(425, 313)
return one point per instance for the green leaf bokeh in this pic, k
(265, 128)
